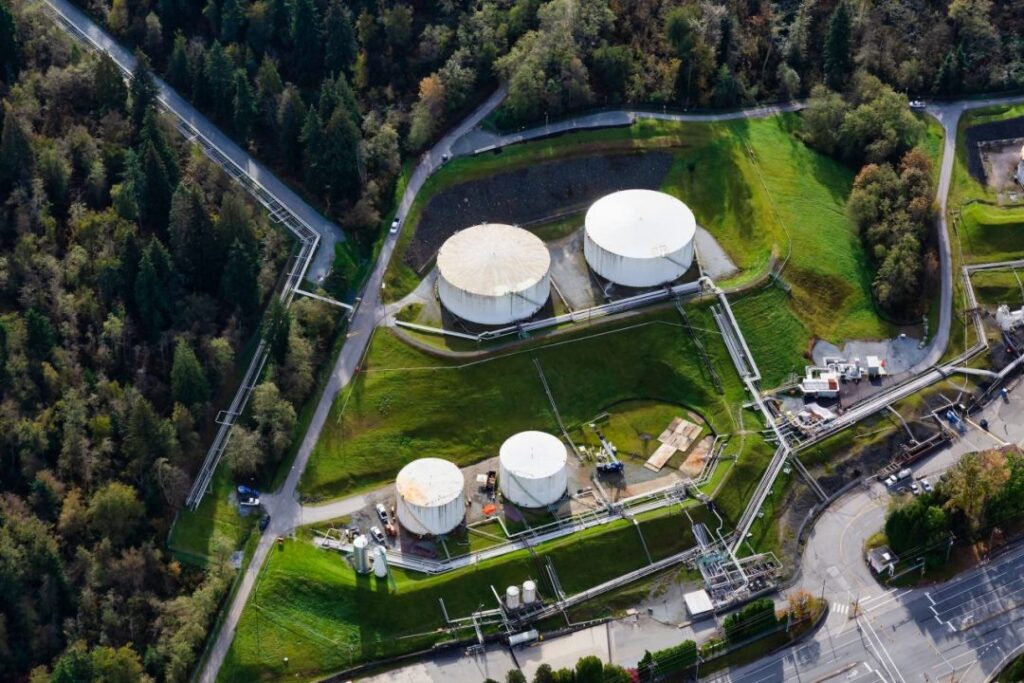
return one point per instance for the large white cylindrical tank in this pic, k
(380, 562)
(532, 469)
(512, 597)
(361, 554)
(493, 274)
(430, 496)
(529, 592)
(639, 238)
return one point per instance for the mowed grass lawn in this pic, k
(993, 288)
(406, 404)
(776, 337)
(311, 607)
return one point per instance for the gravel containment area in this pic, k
(531, 194)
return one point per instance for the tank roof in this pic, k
(430, 482)
(493, 259)
(640, 224)
(533, 455)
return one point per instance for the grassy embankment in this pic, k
(406, 404)
(311, 607)
(982, 230)
(753, 184)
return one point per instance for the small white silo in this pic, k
(529, 592)
(532, 469)
(512, 597)
(430, 496)
(361, 554)
(380, 562)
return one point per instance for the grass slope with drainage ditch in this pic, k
(406, 404)
(311, 607)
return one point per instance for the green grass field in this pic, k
(310, 607)
(407, 404)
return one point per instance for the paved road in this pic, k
(481, 140)
(329, 233)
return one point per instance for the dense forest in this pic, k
(133, 275)
(335, 92)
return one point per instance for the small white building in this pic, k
(698, 604)
(882, 559)
(820, 382)
(876, 366)
(1009, 320)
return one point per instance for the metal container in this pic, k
(380, 562)
(532, 469)
(493, 274)
(361, 554)
(529, 592)
(639, 238)
(512, 597)
(430, 496)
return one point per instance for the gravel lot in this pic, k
(998, 130)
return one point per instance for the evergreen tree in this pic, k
(170, 11)
(289, 118)
(111, 91)
(312, 139)
(278, 19)
(194, 245)
(838, 53)
(277, 325)
(40, 336)
(269, 87)
(232, 16)
(212, 13)
(143, 92)
(177, 73)
(239, 282)
(17, 160)
(244, 106)
(339, 159)
(218, 69)
(154, 192)
(151, 300)
(339, 39)
(234, 222)
(306, 55)
(950, 78)
(3, 355)
(189, 385)
(10, 53)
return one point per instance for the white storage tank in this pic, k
(532, 469)
(493, 274)
(529, 592)
(380, 562)
(639, 238)
(512, 597)
(430, 496)
(361, 554)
